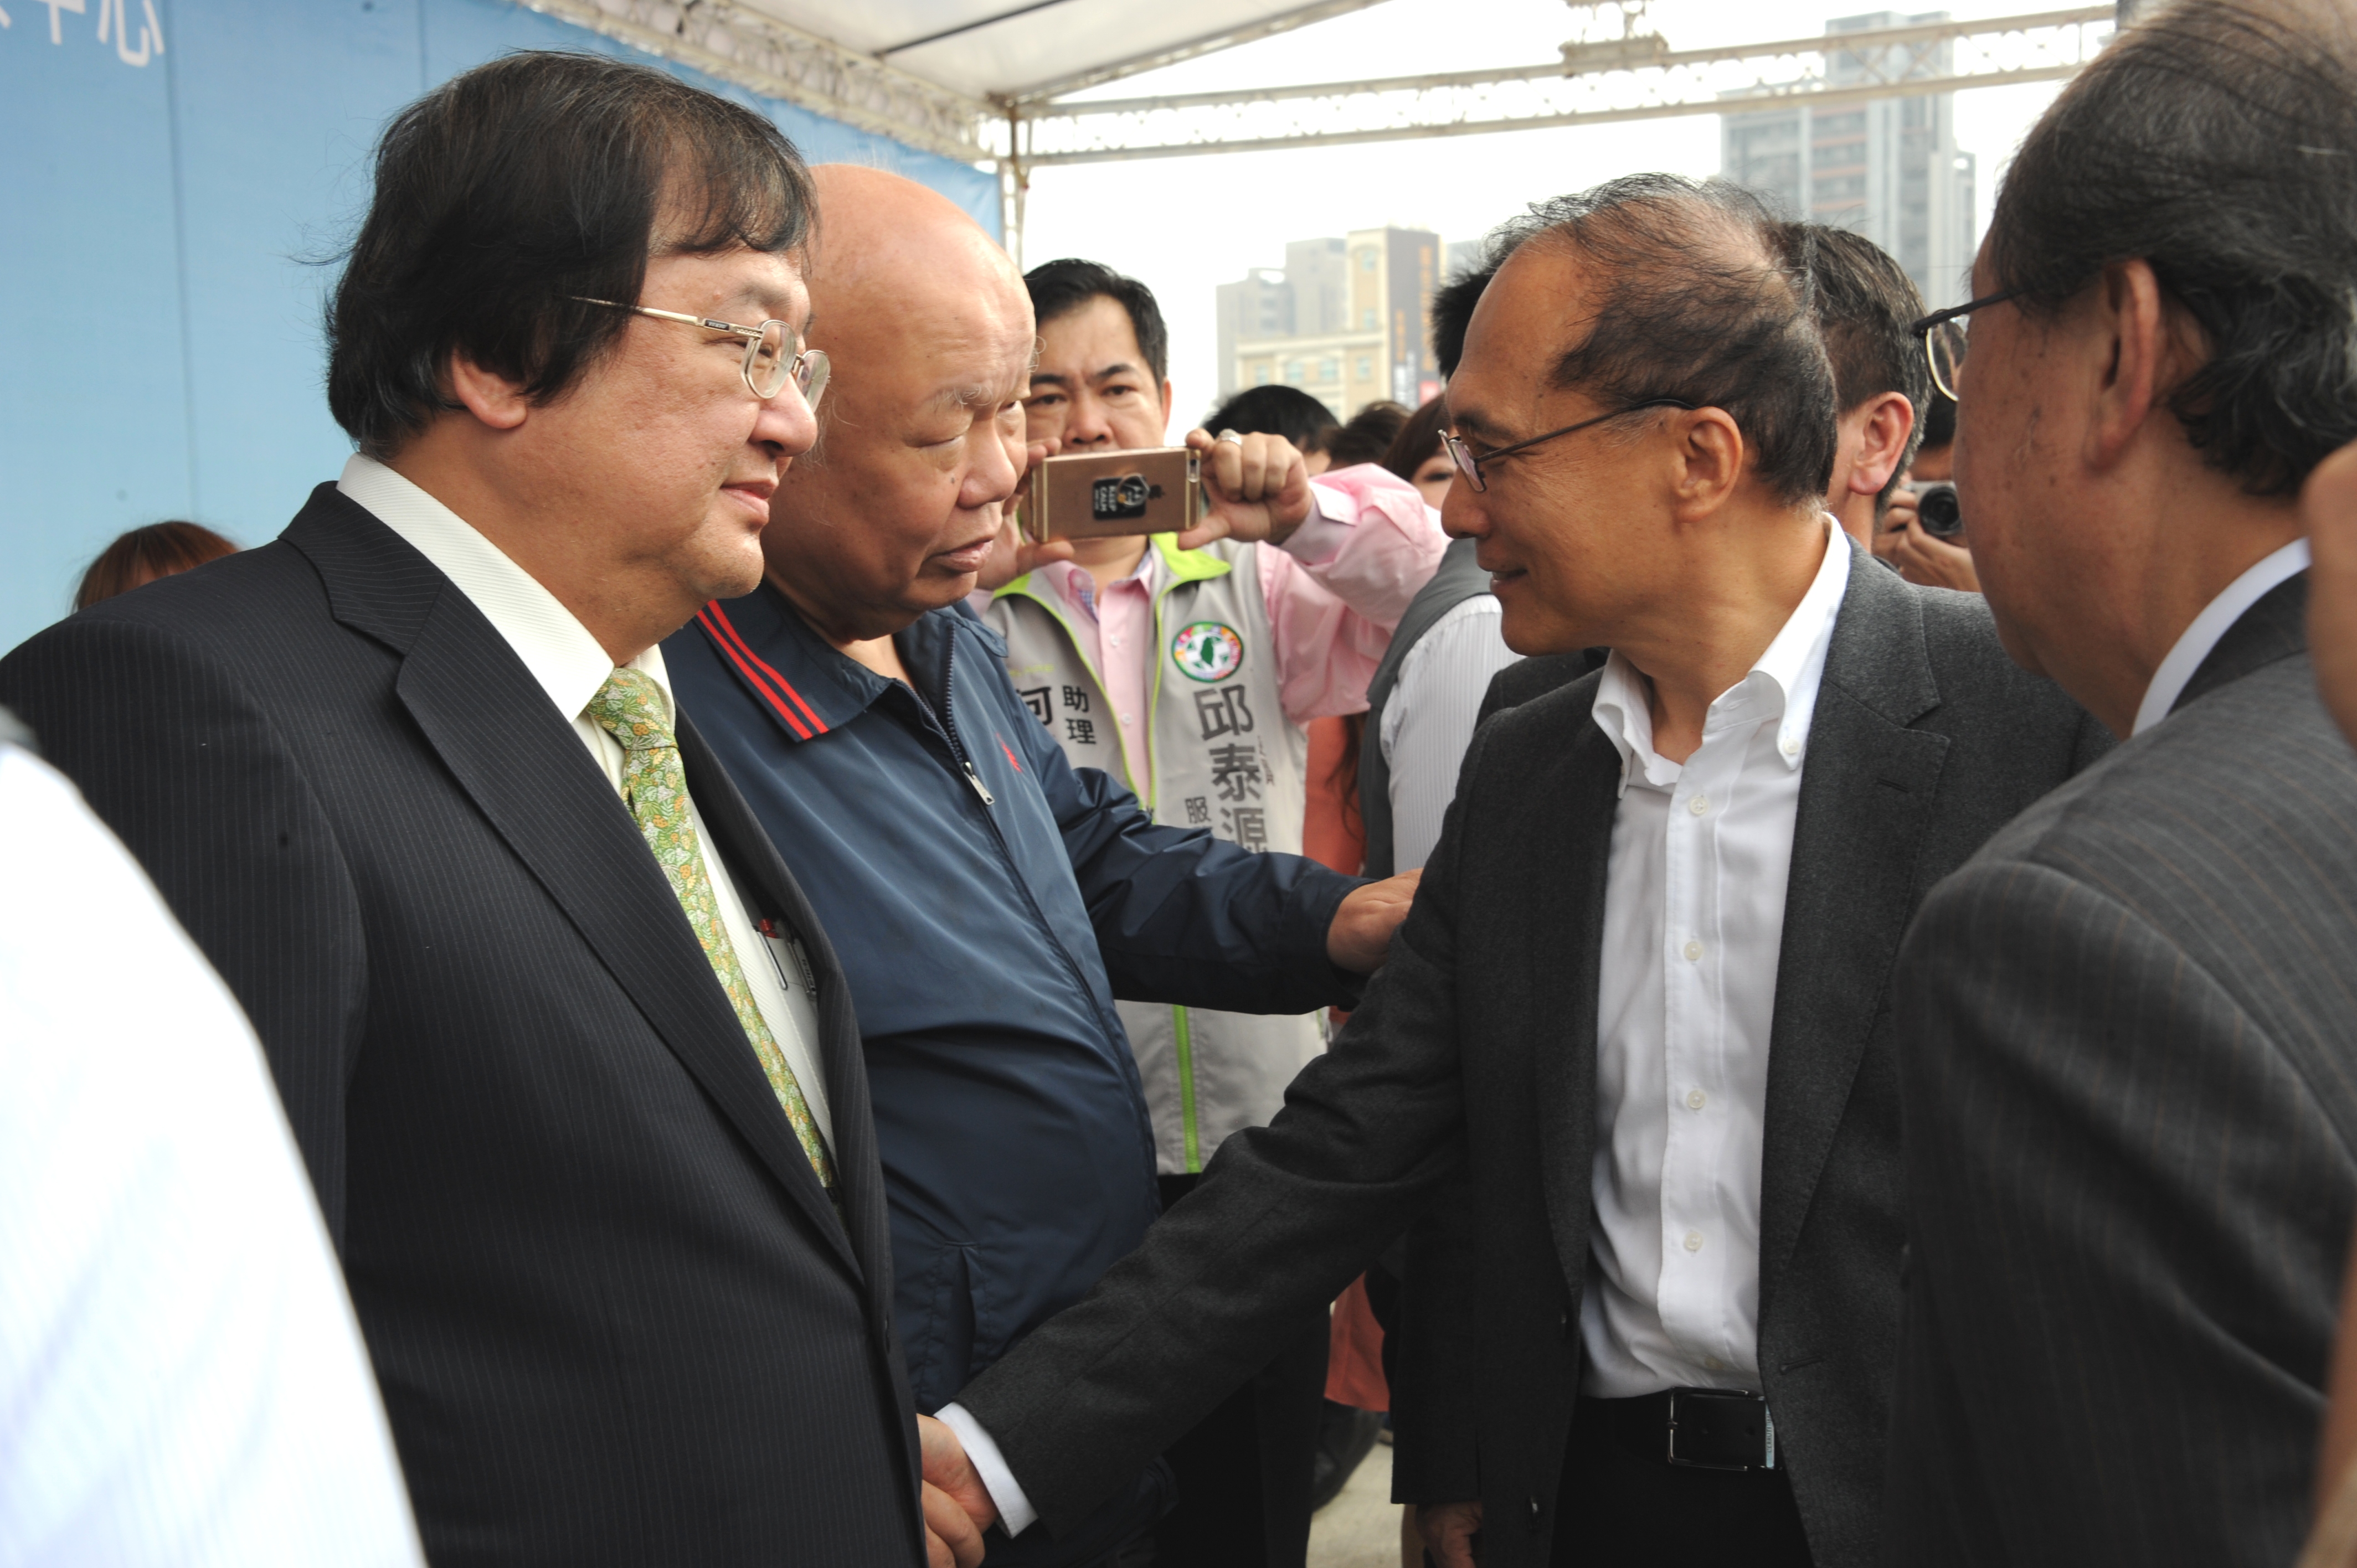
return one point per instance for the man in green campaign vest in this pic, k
(1189, 673)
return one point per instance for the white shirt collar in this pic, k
(2197, 640)
(1782, 683)
(568, 662)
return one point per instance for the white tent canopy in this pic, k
(939, 75)
(993, 81)
(1001, 50)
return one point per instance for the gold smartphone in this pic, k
(1095, 495)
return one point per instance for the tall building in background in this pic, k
(1889, 169)
(1347, 320)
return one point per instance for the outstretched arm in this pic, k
(1285, 1215)
(1183, 917)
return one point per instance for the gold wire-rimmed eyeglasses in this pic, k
(767, 365)
(1942, 332)
(1468, 465)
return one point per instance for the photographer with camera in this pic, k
(1923, 529)
(1187, 667)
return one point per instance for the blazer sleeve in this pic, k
(2128, 1215)
(1436, 1380)
(1285, 1217)
(187, 770)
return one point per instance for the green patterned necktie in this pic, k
(631, 709)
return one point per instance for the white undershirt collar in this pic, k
(569, 664)
(2200, 640)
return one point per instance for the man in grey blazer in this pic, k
(1639, 1000)
(2129, 1068)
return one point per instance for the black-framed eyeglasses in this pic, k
(771, 358)
(1942, 332)
(1470, 465)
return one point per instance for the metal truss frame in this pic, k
(738, 44)
(1635, 78)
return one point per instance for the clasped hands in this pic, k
(1258, 487)
(957, 1506)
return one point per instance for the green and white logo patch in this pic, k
(1207, 650)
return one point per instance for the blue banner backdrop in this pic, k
(176, 179)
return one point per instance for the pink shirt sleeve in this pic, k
(1341, 584)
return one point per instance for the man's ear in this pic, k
(1709, 455)
(1882, 442)
(1166, 409)
(490, 397)
(2134, 343)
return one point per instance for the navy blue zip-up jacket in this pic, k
(988, 901)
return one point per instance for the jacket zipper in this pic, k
(945, 723)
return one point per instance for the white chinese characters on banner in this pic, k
(115, 26)
(151, 35)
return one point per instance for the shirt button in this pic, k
(1129, 718)
(1791, 745)
(1696, 1098)
(1694, 952)
(1694, 1240)
(1116, 639)
(1699, 805)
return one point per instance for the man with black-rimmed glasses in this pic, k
(1638, 1001)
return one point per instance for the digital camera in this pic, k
(1094, 494)
(1937, 509)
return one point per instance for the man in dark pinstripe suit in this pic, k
(571, 1061)
(2129, 1079)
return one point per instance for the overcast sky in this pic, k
(1186, 225)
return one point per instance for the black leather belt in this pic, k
(1710, 1429)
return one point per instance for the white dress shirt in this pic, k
(571, 666)
(2200, 638)
(1694, 924)
(1428, 720)
(1693, 929)
(181, 1379)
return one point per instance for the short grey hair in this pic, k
(1703, 299)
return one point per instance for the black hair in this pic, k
(1366, 436)
(507, 192)
(1938, 427)
(1697, 297)
(1419, 439)
(1060, 287)
(1275, 410)
(1863, 304)
(2216, 141)
(1452, 312)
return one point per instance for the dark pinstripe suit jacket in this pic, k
(1475, 1051)
(2130, 1087)
(613, 1314)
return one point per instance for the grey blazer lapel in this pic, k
(1564, 843)
(1867, 794)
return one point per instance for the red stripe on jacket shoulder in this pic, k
(773, 688)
